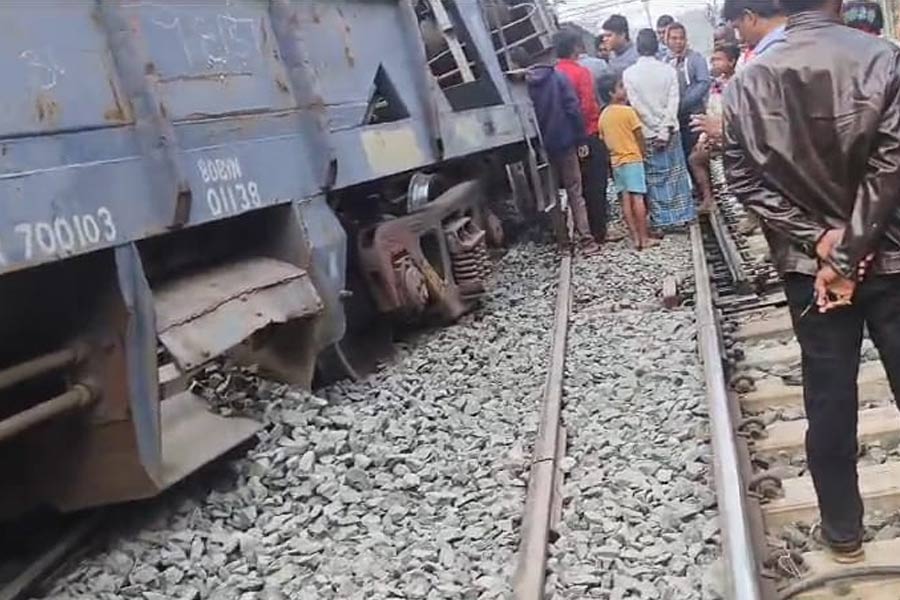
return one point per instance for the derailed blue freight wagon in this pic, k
(180, 180)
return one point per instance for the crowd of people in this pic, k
(626, 112)
(661, 168)
(801, 99)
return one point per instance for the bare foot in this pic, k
(650, 243)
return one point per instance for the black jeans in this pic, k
(689, 139)
(594, 178)
(830, 345)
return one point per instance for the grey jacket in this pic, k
(694, 83)
(619, 61)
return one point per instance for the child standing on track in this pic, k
(620, 128)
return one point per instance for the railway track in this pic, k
(470, 524)
(619, 502)
(766, 507)
(774, 534)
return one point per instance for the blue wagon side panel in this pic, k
(117, 116)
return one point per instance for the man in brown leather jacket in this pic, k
(812, 146)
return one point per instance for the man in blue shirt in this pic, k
(759, 23)
(596, 65)
(662, 34)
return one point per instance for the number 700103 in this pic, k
(67, 235)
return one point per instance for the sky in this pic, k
(589, 13)
(592, 10)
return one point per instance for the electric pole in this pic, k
(647, 12)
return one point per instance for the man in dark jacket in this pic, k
(559, 117)
(821, 168)
(592, 153)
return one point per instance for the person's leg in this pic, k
(594, 175)
(570, 174)
(699, 165)
(641, 221)
(879, 298)
(630, 221)
(570, 171)
(684, 126)
(830, 344)
(688, 141)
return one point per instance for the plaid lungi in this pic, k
(669, 186)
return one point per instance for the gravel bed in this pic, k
(621, 278)
(409, 484)
(639, 518)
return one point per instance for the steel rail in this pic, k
(743, 581)
(730, 252)
(71, 541)
(528, 583)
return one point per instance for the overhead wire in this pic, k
(595, 7)
(591, 12)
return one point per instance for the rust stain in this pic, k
(351, 60)
(345, 33)
(47, 108)
(119, 112)
(114, 115)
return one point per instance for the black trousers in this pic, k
(689, 139)
(594, 178)
(830, 345)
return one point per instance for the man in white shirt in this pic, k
(653, 91)
(652, 88)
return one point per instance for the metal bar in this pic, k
(154, 132)
(740, 557)
(39, 568)
(78, 397)
(38, 366)
(305, 84)
(426, 84)
(445, 23)
(730, 252)
(532, 561)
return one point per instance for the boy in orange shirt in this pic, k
(620, 128)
